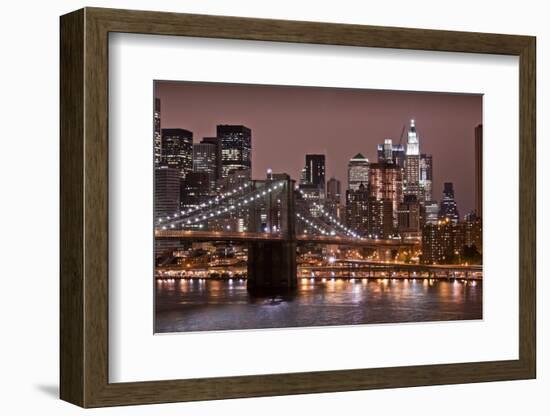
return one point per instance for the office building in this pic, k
(411, 181)
(439, 242)
(448, 208)
(195, 190)
(205, 160)
(452, 243)
(333, 199)
(479, 170)
(426, 177)
(233, 180)
(334, 190)
(357, 209)
(393, 153)
(314, 171)
(157, 137)
(408, 217)
(167, 192)
(386, 183)
(430, 213)
(358, 172)
(216, 143)
(235, 143)
(177, 150)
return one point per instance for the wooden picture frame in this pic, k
(84, 207)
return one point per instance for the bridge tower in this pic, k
(272, 264)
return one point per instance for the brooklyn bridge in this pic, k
(275, 218)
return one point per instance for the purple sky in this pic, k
(288, 122)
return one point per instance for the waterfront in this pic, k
(207, 304)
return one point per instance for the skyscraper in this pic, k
(314, 196)
(303, 180)
(233, 179)
(440, 242)
(479, 170)
(357, 209)
(386, 183)
(216, 143)
(236, 148)
(426, 177)
(205, 160)
(412, 163)
(358, 172)
(167, 192)
(315, 171)
(333, 190)
(177, 150)
(452, 243)
(448, 208)
(195, 189)
(389, 152)
(366, 215)
(408, 217)
(380, 218)
(333, 197)
(157, 137)
(430, 213)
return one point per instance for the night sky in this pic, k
(288, 122)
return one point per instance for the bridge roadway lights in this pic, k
(272, 267)
(384, 254)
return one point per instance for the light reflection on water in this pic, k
(201, 305)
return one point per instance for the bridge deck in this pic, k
(249, 236)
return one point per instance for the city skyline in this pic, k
(271, 147)
(265, 200)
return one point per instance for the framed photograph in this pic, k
(255, 207)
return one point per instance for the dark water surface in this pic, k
(222, 305)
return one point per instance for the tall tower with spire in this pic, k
(413, 148)
(412, 164)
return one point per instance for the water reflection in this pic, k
(202, 304)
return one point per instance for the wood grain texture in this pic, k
(84, 205)
(527, 208)
(71, 213)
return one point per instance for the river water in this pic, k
(225, 305)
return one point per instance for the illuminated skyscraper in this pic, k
(236, 148)
(452, 243)
(333, 190)
(166, 202)
(167, 192)
(412, 163)
(315, 172)
(430, 213)
(448, 208)
(389, 152)
(408, 217)
(368, 216)
(303, 180)
(216, 143)
(205, 160)
(386, 183)
(479, 170)
(333, 197)
(358, 172)
(157, 137)
(177, 150)
(426, 178)
(440, 242)
(357, 209)
(195, 189)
